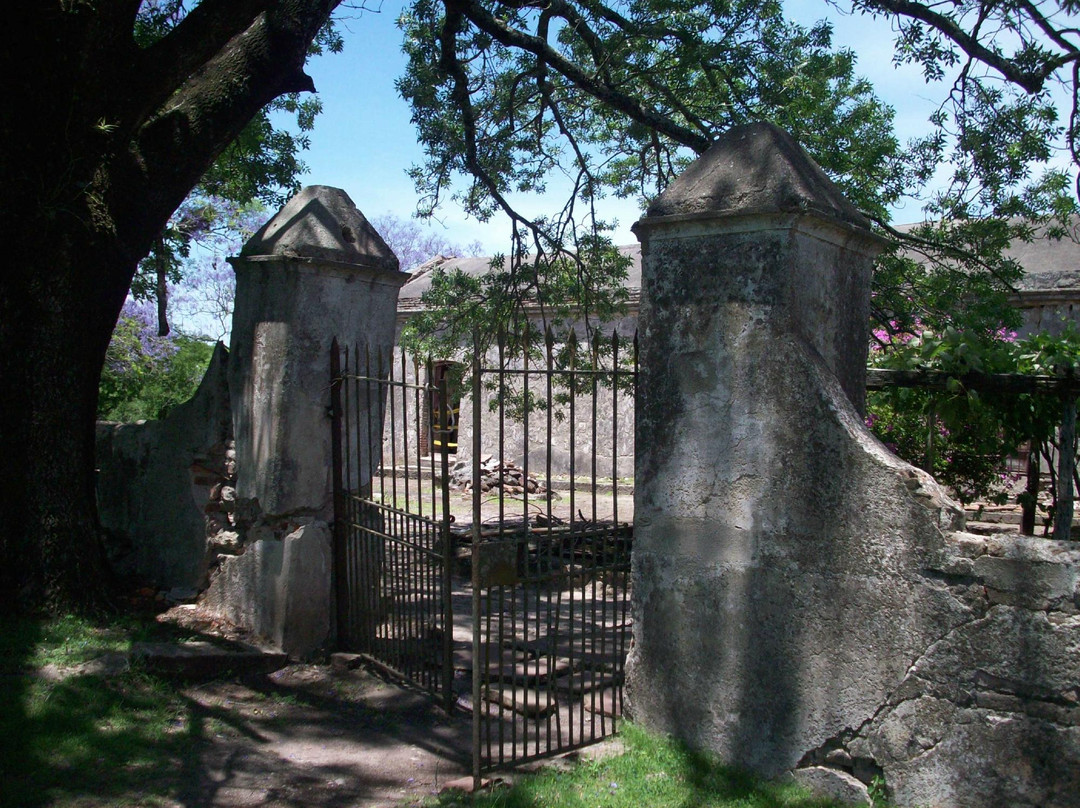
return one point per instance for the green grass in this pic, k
(653, 771)
(69, 739)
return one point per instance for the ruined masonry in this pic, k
(315, 271)
(232, 492)
(804, 600)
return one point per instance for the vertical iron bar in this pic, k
(524, 555)
(405, 428)
(415, 489)
(615, 562)
(390, 393)
(341, 589)
(350, 531)
(437, 439)
(374, 433)
(628, 580)
(378, 548)
(447, 552)
(553, 635)
(595, 414)
(594, 539)
(408, 534)
(527, 531)
(501, 370)
(474, 565)
(431, 392)
(386, 403)
(575, 547)
(390, 549)
(363, 568)
(421, 424)
(1031, 492)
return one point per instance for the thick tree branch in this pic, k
(624, 103)
(1030, 80)
(172, 151)
(166, 65)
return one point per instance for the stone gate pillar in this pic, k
(776, 542)
(317, 270)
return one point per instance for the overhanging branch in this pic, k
(1031, 80)
(624, 103)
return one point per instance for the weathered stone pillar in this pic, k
(777, 544)
(316, 271)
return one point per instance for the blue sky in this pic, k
(363, 141)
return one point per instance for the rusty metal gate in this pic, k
(551, 544)
(498, 582)
(392, 520)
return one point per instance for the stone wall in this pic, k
(156, 481)
(802, 598)
(988, 714)
(606, 432)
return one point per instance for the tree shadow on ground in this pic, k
(91, 735)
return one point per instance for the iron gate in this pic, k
(392, 520)
(550, 557)
(533, 532)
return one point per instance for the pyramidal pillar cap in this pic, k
(753, 169)
(320, 224)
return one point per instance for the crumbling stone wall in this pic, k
(160, 483)
(231, 494)
(803, 599)
(989, 713)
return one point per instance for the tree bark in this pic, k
(102, 142)
(57, 325)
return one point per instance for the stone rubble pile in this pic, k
(222, 532)
(493, 474)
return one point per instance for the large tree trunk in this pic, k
(102, 139)
(56, 327)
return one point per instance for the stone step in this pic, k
(578, 684)
(1009, 517)
(527, 671)
(204, 660)
(524, 700)
(991, 528)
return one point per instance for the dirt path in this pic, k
(308, 736)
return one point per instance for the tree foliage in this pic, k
(959, 434)
(590, 99)
(998, 161)
(146, 375)
(259, 169)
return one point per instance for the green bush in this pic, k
(145, 375)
